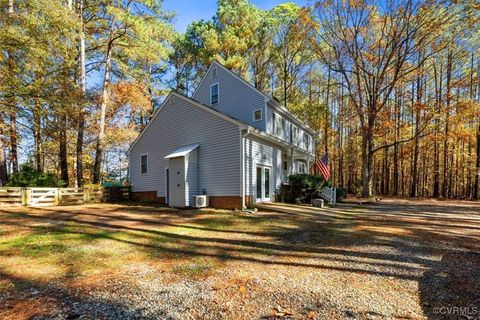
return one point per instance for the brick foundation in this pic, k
(148, 196)
(225, 202)
(218, 202)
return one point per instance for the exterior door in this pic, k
(263, 177)
(177, 182)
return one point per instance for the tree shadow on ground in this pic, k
(330, 240)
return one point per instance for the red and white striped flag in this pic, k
(323, 167)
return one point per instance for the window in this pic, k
(306, 141)
(301, 167)
(257, 115)
(277, 125)
(214, 94)
(144, 163)
(214, 72)
(294, 135)
(290, 133)
(274, 123)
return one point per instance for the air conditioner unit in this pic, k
(200, 201)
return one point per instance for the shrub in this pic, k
(341, 194)
(28, 176)
(300, 188)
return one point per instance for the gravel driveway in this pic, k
(392, 260)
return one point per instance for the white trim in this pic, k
(264, 166)
(218, 93)
(194, 103)
(214, 73)
(203, 78)
(275, 104)
(167, 182)
(141, 165)
(182, 151)
(261, 115)
(242, 168)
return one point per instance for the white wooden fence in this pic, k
(40, 197)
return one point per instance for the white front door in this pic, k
(177, 182)
(263, 177)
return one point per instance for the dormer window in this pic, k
(214, 72)
(214, 94)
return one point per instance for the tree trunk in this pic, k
(3, 159)
(436, 149)
(103, 110)
(447, 128)
(367, 157)
(62, 150)
(395, 146)
(83, 88)
(37, 135)
(327, 110)
(13, 140)
(477, 173)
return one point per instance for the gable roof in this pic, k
(195, 103)
(274, 102)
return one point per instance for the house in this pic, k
(229, 141)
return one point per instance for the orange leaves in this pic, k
(133, 96)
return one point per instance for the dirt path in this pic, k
(393, 260)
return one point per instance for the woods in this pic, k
(392, 89)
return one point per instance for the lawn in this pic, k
(399, 260)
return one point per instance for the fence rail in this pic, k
(40, 197)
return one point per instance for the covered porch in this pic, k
(295, 161)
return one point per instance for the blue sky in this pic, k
(190, 10)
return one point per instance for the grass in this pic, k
(197, 267)
(81, 246)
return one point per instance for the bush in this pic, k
(341, 194)
(28, 176)
(301, 188)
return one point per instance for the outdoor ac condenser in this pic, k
(200, 201)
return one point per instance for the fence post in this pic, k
(25, 196)
(86, 195)
(58, 195)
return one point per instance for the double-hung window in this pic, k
(306, 141)
(214, 94)
(294, 135)
(277, 125)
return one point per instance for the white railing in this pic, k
(329, 194)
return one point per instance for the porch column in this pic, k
(292, 162)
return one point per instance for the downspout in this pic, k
(242, 168)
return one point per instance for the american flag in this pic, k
(323, 167)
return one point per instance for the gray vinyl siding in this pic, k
(182, 123)
(236, 98)
(191, 177)
(261, 152)
(286, 134)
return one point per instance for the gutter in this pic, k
(242, 164)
